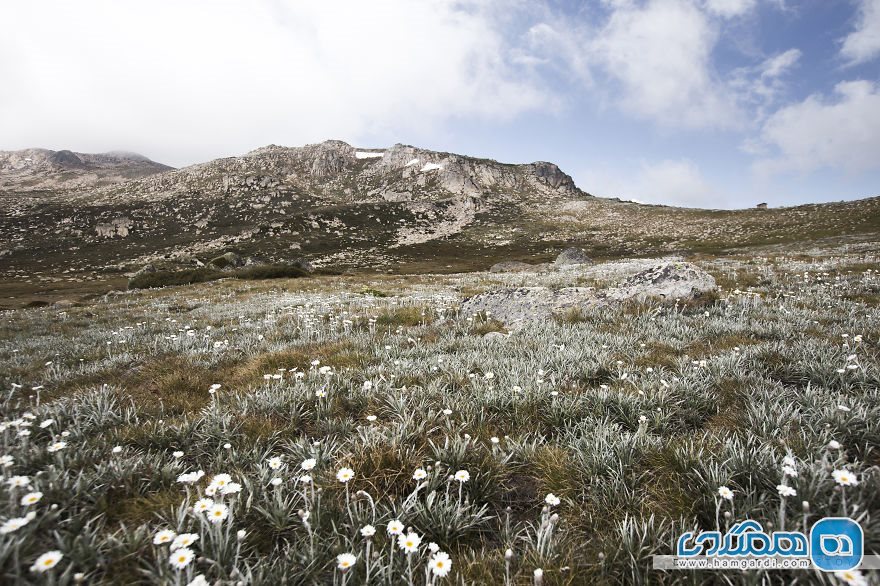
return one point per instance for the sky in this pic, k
(701, 103)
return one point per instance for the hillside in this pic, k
(40, 170)
(401, 209)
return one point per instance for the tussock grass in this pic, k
(633, 416)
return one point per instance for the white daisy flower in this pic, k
(851, 578)
(410, 542)
(181, 558)
(725, 493)
(785, 490)
(845, 478)
(395, 527)
(345, 561)
(18, 481)
(31, 498)
(203, 505)
(344, 474)
(164, 536)
(462, 476)
(440, 564)
(14, 524)
(47, 561)
(184, 540)
(218, 513)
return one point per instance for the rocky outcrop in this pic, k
(670, 281)
(667, 281)
(572, 256)
(228, 260)
(42, 169)
(116, 227)
(513, 266)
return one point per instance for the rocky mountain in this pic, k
(396, 209)
(42, 170)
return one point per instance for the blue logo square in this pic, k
(836, 544)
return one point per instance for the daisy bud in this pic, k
(806, 506)
(241, 534)
(539, 576)
(508, 555)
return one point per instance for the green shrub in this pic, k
(170, 278)
(276, 271)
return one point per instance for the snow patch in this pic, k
(367, 155)
(431, 167)
(411, 163)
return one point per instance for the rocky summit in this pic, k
(40, 170)
(73, 216)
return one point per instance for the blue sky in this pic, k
(709, 103)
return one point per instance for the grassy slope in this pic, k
(769, 386)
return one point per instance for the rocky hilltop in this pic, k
(337, 172)
(73, 216)
(42, 169)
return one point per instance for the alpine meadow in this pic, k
(339, 364)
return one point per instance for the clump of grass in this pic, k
(169, 278)
(404, 316)
(583, 445)
(173, 278)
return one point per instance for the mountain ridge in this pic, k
(37, 169)
(401, 208)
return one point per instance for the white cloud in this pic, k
(863, 44)
(730, 8)
(675, 182)
(761, 86)
(186, 81)
(780, 64)
(660, 54)
(666, 182)
(838, 133)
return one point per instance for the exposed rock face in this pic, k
(146, 269)
(513, 266)
(572, 256)
(41, 169)
(337, 170)
(524, 304)
(227, 260)
(668, 281)
(117, 227)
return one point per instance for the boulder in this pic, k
(494, 336)
(303, 264)
(523, 304)
(147, 268)
(512, 266)
(665, 281)
(572, 256)
(668, 281)
(229, 260)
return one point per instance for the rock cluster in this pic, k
(572, 256)
(667, 281)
